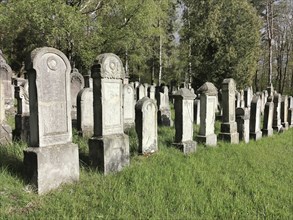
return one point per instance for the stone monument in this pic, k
(51, 159)
(277, 126)
(146, 125)
(255, 115)
(268, 118)
(242, 119)
(128, 106)
(109, 146)
(184, 121)
(284, 112)
(208, 102)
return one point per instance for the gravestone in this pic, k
(229, 126)
(109, 146)
(268, 119)
(8, 88)
(290, 111)
(76, 85)
(196, 111)
(270, 90)
(21, 131)
(51, 159)
(277, 126)
(242, 102)
(146, 125)
(140, 92)
(164, 112)
(208, 101)
(146, 89)
(85, 112)
(184, 121)
(284, 112)
(238, 99)
(255, 116)
(247, 97)
(152, 92)
(242, 119)
(88, 81)
(128, 106)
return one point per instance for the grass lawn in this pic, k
(244, 181)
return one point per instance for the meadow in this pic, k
(244, 181)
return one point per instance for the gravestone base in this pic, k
(22, 129)
(5, 134)
(233, 138)
(285, 126)
(256, 136)
(87, 132)
(278, 128)
(210, 140)
(49, 167)
(229, 133)
(164, 118)
(109, 153)
(186, 147)
(267, 132)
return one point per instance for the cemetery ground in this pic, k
(247, 181)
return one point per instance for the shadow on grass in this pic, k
(11, 162)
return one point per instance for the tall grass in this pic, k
(244, 181)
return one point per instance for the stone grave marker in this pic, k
(128, 106)
(242, 119)
(284, 112)
(277, 126)
(268, 119)
(51, 159)
(255, 116)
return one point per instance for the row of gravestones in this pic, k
(52, 158)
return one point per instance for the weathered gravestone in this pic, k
(229, 125)
(242, 102)
(88, 81)
(242, 119)
(184, 121)
(22, 129)
(208, 102)
(164, 112)
(277, 126)
(140, 92)
(290, 111)
(76, 85)
(52, 159)
(8, 89)
(85, 112)
(152, 92)
(109, 146)
(284, 112)
(255, 114)
(237, 99)
(146, 125)
(128, 106)
(268, 118)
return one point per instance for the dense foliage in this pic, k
(160, 40)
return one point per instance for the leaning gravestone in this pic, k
(8, 89)
(242, 119)
(109, 146)
(184, 121)
(128, 106)
(21, 131)
(255, 114)
(85, 112)
(284, 112)
(208, 102)
(229, 125)
(146, 125)
(52, 159)
(76, 85)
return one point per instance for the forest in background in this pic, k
(191, 41)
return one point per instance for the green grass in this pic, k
(244, 181)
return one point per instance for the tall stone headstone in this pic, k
(152, 92)
(284, 112)
(242, 102)
(109, 146)
(229, 125)
(51, 159)
(21, 131)
(238, 99)
(146, 125)
(85, 112)
(128, 106)
(184, 121)
(242, 119)
(8, 89)
(268, 119)
(208, 101)
(290, 111)
(255, 116)
(277, 126)
(76, 85)
(140, 92)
